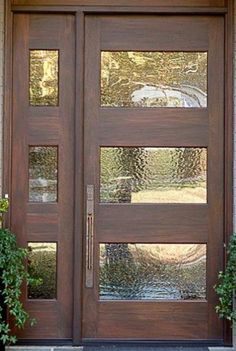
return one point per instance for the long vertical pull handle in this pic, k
(89, 235)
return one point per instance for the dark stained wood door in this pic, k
(153, 163)
(42, 165)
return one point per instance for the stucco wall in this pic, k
(234, 190)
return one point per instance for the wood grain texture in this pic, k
(79, 181)
(153, 127)
(42, 222)
(180, 323)
(188, 3)
(152, 223)
(229, 117)
(215, 169)
(155, 223)
(134, 32)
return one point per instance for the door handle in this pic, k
(89, 235)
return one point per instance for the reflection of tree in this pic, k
(124, 171)
(124, 73)
(128, 170)
(42, 265)
(44, 77)
(187, 165)
(131, 272)
(43, 173)
(43, 162)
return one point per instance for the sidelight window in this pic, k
(42, 265)
(43, 169)
(43, 89)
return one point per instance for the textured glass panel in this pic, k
(43, 173)
(153, 175)
(42, 265)
(153, 79)
(44, 77)
(152, 271)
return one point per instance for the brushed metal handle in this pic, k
(89, 235)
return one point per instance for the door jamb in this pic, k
(80, 12)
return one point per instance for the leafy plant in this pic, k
(227, 284)
(13, 273)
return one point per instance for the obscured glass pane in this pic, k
(152, 271)
(44, 77)
(153, 79)
(153, 175)
(43, 173)
(42, 265)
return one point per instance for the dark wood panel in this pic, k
(176, 320)
(215, 169)
(188, 3)
(47, 313)
(164, 222)
(44, 111)
(41, 37)
(153, 127)
(44, 130)
(152, 223)
(86, 9)
(136, 33)
(229, 151)
(42, 227)
(79, 180)
(37, 126)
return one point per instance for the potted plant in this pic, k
(13, 273)
(227, 285)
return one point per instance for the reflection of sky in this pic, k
(183, 96)
(181, 253)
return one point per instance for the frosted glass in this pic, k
(43, 78)
(153, 79)
(43, 174)
(152, 271)
(153, 175)
(42, 265)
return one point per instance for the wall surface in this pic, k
(234, 190)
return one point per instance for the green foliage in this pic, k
(12, 275)
(42, 266)
(227, 284)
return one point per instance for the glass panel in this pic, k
(153, 79)
(43, 173)
(153, 175)
(42, 265)
(44, 77)
(152, 271)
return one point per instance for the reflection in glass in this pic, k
(153, 175)
(152, 271)
(42, 265)
(43, 173)
(153, 79)
(44, 77)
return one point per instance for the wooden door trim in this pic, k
(122, 9)
(229, 141)
(79, 185)
(228, 13)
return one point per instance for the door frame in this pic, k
(77, 8)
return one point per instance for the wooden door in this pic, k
(153, 161)
(42, 165)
